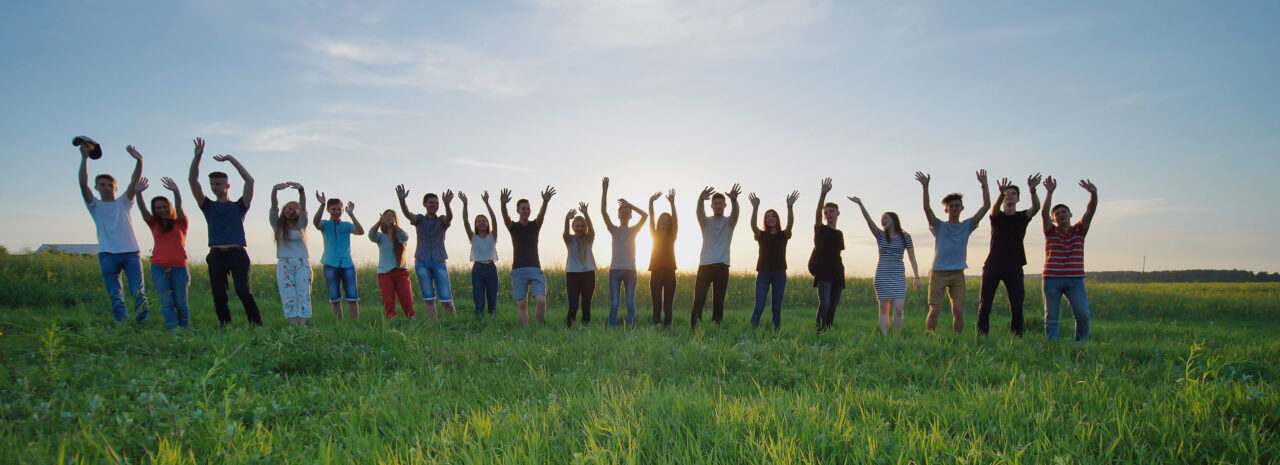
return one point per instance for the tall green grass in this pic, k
(1175, 374)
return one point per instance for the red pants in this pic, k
(395, 284)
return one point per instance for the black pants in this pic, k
(662, 289)
(828, 300)
(992, 276)
(234, 262)
(714, 276)
(582, 286)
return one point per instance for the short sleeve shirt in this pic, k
(1007, 235)
(170, 250)
(826, 263)
(951, 244)
(524, 244)
(113, 225)
(773, 251)
(624, 248)
(430, 239)
(226, 221)
(1064, 252)
(337, 243)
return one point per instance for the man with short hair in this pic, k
(526, 269)
(1007, 255)
(1064, 260)
(117, 246)
(227, 255)
(429, 259)
(949, 251)
(713, 265)
(339, 267)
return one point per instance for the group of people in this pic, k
(228, 262)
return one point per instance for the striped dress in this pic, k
(891, 275)
(1064, 252)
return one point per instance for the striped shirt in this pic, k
(1064, 252)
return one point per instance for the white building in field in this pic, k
(73, 249)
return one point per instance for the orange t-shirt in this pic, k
(171, 247)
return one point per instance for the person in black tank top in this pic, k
(662, 262)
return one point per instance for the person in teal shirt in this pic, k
(339, 269)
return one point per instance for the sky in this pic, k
(1171, 108)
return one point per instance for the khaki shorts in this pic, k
(950, 280)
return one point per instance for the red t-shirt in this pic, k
(1064, 252)
(171, 247)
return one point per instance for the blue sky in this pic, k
(1170, 107)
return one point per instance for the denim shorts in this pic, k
(524, 279)
(341, 281)
(433, 278)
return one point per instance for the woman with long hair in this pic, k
(891, 277)
(662, 262)
(393, 274)
(293, 265)
(771, 267)
(484, 257)
(580, 266)
(168, 225)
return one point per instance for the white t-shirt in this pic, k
(115, 228)
(716, 235)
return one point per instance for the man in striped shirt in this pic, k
(1064, 261)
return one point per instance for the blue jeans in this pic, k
(171, 285)
(1073, 289)
(484, 287)
(112, 264)
(341, 281)
(433, 278)
(765, 280)
(617, 279)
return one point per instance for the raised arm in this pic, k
(986, 198)
(755, 209)
(733, 199)
(193, 177)
(928, 207)
(142, 206)
(1046, 214)
(493, 223)
(568, 219)
(671, 198)
(702, 207)
(822, 200)
(302, 199)
(402, 194)
(791, 211)
(448, 207)
(85, 191)
(247, 194)
(1032, 182)
(871, 224)
(374, 232)
(319, 211)
(466, 217)
(275, 202)
(351, 212)
(604, 204)
(504, 197)
(546, 198)
(643, 214)
(586, 217)
(1093, 203)
(132, 190)
(168, 183)
(1001, 186)
(653, 227)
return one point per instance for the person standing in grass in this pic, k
(891, 277)
(949, 251)
(1064, 260)
(429, 259)
(117, 246)
(339, 268)
(825, 263)
(1007, 255)
(293, 261)
(484, 257)
(393, 275)
(526, 269)
(662, 261)
(580, 266)
(227, 255)
(622, 266)
(713, 264)
(168, 225)
(771, 267)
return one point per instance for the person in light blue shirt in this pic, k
(339, 269)
(949, 257)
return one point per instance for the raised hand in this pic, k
(624, 203)
(755, 201)
(1003, 184)
(351, 209)
(982, 177)
(855, 200)
(791, 199)
(826, 186)
(199, 150)
(485, 197)
(221, 157)
(582, 207)
(733, 192)
(280, 187)
(320, 198)
(604, 183)
(572, 213)
(706, 193)
(923, 178)
(1050, 184)
(168, 183)
(548, 193)
(141, 185)
(655, 196)
(1088, 186)
(504, 195)
(1033, 181)
(448, 196)
(463, 197)
(671, 195)
(133, 152)
(401, 192)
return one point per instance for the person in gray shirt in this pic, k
(713, 267)
(951, 239)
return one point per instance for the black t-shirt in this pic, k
(773, 251)
(524, 242)
(663, 257)
(1007, 234)
(826, 264)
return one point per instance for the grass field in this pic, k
(1174, 374)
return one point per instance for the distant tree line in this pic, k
(1184, 276)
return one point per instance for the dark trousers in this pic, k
(715, 276)
(233, 262)
(484, 287)
(582, 286)
(992, 276)
(766, 280)
(828, 300)
(662, 289)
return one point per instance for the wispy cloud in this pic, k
(492, 165)
(356, 109)
(427, 65)
(288, 137)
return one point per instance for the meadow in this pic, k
(1175, 373)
